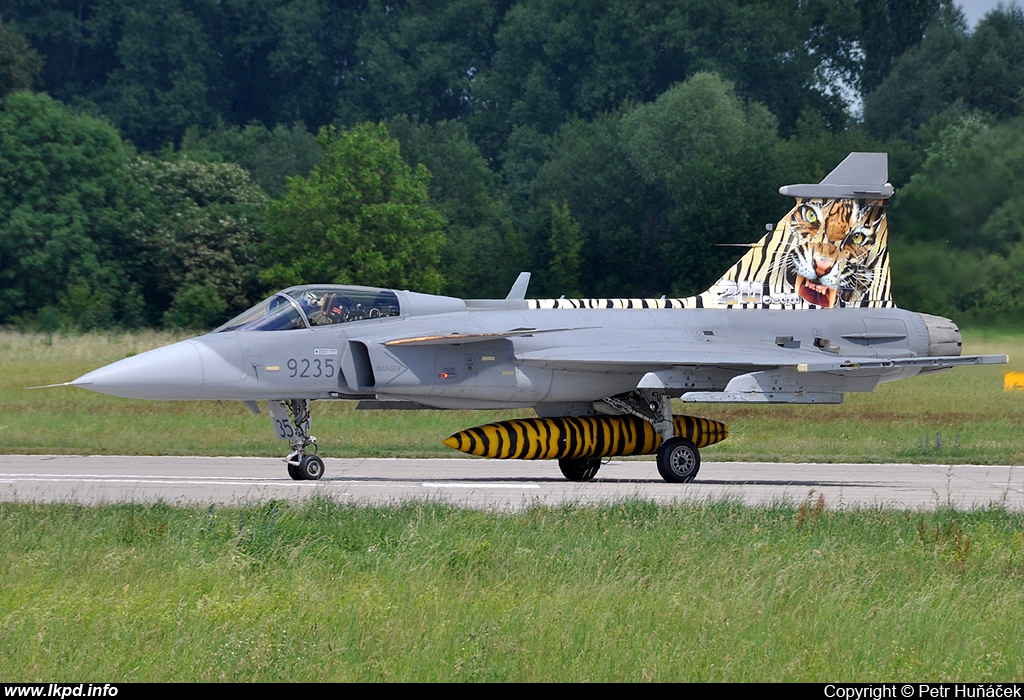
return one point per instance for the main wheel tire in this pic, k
(311, 468)
(678, 461)
(579, 468)
(293, 471)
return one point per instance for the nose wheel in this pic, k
(305, 467)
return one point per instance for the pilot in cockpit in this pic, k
(330, 308)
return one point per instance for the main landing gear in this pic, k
(678, 458)
(291, 420)
(579, 469)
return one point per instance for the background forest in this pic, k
(172, 162)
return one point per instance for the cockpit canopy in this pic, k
(315, 305)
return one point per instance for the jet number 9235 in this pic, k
(315, 368)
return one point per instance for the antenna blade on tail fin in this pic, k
(518, 290)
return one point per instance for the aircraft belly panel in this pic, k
(574, 386)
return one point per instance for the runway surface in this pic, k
(498, 484)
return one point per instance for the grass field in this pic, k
(961, 416)
(426, 592)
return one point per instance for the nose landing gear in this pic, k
(305, 467)
(291, 420)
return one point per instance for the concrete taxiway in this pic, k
(497, 484)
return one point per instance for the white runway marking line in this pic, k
(119, 476)
(229, 481)
(141, 479)
(147, 480)
(434, 485)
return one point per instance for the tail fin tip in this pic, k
(859, 176)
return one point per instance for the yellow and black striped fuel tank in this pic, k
(583, 436)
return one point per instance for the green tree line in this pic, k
(171, 163)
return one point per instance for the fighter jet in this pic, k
(804, 316)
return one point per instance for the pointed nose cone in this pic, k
(171, 373)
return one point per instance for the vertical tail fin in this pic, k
(830, 250)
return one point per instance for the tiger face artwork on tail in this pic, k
(835, 249)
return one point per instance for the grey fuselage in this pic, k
(559, 361)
